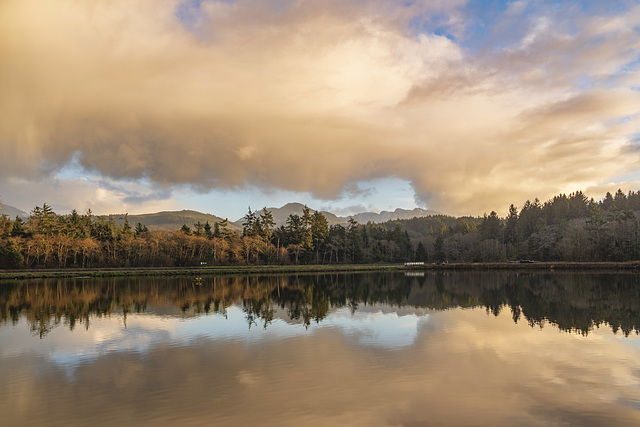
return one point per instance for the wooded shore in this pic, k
(633, 266)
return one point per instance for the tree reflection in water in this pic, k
(575, 302)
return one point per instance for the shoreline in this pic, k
(292, 269)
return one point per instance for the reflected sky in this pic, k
(380, 366)
(378, 326)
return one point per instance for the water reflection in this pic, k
(370, 350)
(570, 302)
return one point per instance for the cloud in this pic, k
(316, 96)
(353, 190)
(101, 195)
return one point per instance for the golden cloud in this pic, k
(312, 96)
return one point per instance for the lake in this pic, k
(442, 349)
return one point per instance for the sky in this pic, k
(463, 107)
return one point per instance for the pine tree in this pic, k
(267, 223)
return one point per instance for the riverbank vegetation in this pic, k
(569, 228)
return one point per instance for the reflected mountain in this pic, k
(573, 302)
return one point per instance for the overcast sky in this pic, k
(459, 106)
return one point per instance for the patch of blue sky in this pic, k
(635, 64)
(488, 11)
(623, 119)
(73, 169)
(431, 24)
(234, 203)
(634, 140)
(379, 194)
(187, 12)
(498, 24)
(584, 83)
(632, 176)
(609, 7)
(481, 21)
(485, 15)
(396, 192)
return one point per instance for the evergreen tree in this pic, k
(319, 232)
(252, 225)
(267, 223)
(421, 253)
(126, 227)
(140, 228)
(511, 229)
(222, 229)
(607, 202)
(43, 220)
(491, 227)
(17, 227)
(199, 229)
(439, 249)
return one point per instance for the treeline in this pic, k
(49, 240)
(565, 228)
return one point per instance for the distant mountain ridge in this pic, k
(12, 212)
(173, 220)
(385, 216)
(281, 214)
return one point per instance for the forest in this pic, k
(566, 228)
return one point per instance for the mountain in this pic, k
(171, 220)
(280, 215)
(12, 212)
(385, 216)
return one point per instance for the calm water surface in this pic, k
(479, 349)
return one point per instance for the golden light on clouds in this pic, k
(316, 95)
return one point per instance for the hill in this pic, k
(385, 216)
(280, 215)
(171, 220)
(12, 212)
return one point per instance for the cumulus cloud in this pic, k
(318, 95)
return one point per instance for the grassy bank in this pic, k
(192, 271)
(575, 266)
(290, 269)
